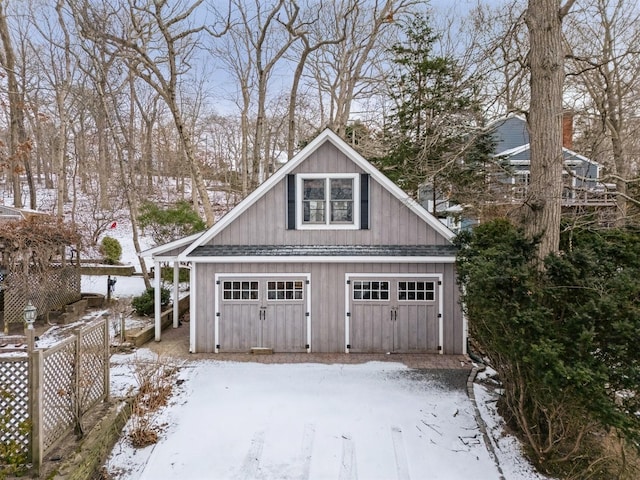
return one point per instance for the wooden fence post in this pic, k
(35, 407)
(77, 380)
(106, 377)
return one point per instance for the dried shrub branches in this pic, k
(155, 380)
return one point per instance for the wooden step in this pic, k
(262, 351)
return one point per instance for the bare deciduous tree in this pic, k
(158, 41)
(342, 72)
(19, 144)
(313, 37)
(604, 62)
(501, 50)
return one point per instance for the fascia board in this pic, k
(512, 151)
(159, 249)
(581, 157)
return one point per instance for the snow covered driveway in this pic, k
(377, 420)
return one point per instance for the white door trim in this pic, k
(216, 301)
(347, 297)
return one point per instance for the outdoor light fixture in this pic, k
(30, 314)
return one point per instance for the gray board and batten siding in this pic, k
(383, 251)
(390, 222)
(327, 286)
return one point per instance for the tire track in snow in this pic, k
(307, 448)
(249, 469)
(402, 465)
(348, 469)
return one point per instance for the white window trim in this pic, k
(300, 225)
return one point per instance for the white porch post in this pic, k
(156, 298)
(176, 294)
(193, 320)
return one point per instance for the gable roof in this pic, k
(511, 134)
(158, 250)
(326, 136)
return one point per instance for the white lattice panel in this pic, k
(14, 403)
(57, 392)
(92, 365)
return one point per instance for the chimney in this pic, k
(567, 129)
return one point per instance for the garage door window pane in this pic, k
(240, 290)
(370, 290)
(416, 291)
(284, 290)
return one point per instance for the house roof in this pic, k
(181, 243)
(11, 213)
(511, 135)
(326, 136)
(323, 253)
(323, 250)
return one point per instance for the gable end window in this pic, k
(328, 201)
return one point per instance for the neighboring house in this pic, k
(581, 176)
(327, 255)
(583, 188)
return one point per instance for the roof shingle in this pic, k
(323, 250)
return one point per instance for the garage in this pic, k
(324, 215)
(394, 313)
(263, 312)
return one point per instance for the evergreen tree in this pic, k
(166, 225)
(434, 132)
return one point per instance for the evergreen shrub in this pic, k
(111, 250)
(562, 338)
(145, 303)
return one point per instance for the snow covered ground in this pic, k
(311, 421)
(125, 286)
(377, 420)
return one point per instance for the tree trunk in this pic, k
(546, 60)
(18, 145)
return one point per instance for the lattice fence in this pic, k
(68, 380)
(57, 415)
(49, 290)
(75, 378)
(14, 403)
(93, 365)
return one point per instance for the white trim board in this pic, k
(323, 259)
